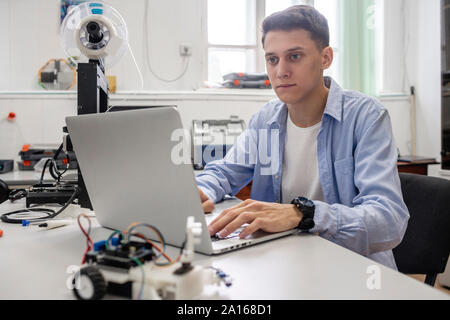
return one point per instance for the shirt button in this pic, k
(276, 177)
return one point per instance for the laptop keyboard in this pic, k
(233, 235)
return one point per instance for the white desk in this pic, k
(33, 264)
(25, 177)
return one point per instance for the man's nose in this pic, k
(283, 71)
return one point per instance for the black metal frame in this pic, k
(92, 98)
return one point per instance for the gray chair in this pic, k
(426, 244)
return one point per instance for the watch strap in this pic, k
(307, 208)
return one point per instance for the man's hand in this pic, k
(269, 217)
(208, 205)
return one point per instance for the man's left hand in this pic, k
(269, 217)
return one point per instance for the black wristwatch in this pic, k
(307, 208)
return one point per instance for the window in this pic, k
(234, 35)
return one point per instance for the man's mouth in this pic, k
(282, 86)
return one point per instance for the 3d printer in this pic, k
(98, 33)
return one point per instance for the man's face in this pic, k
(294, 64)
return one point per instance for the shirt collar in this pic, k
(334, 102)
(333, 107)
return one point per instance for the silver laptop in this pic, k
(127, 162)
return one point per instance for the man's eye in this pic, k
(294, 57)
(272, 60)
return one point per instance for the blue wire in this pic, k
(143, 276)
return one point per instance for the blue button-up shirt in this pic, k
(357, 159)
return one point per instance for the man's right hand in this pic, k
(208, 205)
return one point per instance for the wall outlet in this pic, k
(185, 50)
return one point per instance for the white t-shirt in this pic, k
(300, 166)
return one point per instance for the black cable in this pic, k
(54, 171)
(55, 156)
(60, 174)
(41, 180)
(17, 194)
(50, 213)
(69, 202)
(21, 193)
(53, 167)
(5, 217)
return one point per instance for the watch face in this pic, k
(309, 203)
(306, 202)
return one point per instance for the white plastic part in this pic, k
(52, 224)
(162, 283)
(193, 237)
(73, 33)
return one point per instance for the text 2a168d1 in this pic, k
(225, 310)
(248, 309)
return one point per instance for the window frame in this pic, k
(260, 8)
(259, 55)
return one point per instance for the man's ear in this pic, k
(327, 57)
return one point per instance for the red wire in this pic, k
(89, 242)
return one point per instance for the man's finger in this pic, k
(244, 217)
(203, 196)
(225, 212)
(219, 224)
(251, 228)
(228, 215)
(208, 206)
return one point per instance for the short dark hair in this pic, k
(299, 17)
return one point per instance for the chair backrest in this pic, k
(426, 244)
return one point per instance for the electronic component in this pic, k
(43, 213)
(129, 268)
(49, 193)
(4, 191)
(6, 166)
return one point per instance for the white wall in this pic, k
(30, 37)
(393, 56)
(424, 73)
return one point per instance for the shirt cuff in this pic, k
(202, 185)
(208, 193)
(325, 220)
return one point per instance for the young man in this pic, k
(332, 165)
